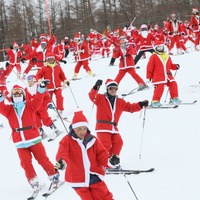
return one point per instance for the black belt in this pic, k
(106, 122)
(23, 128)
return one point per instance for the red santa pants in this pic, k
(85, 64)
(42, 116)
(39, 153)
(59, 98)
(112, 142)
(18, 67)
(97, 191)
(30, 65)
(197, 38)
(176, 39)
(130, 71)
(159, 88)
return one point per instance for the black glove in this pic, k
(114, 160)
(44, 83)
(1, 94)
(11, 47)
(52, 31)
(97, 84)
(64, 61)
(67, 82)
(60, 164)
(7, 64)
(144, 103)
(178, 66)
(34, 59)
(22, 60)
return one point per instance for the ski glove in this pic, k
(61, 164)
(144, 103)
(1, 94)
(178, 66)
(63, 61)
(44, 83)
(114, 160)
(50, 106)
(97, 84)
(66, 82)
(22, 60)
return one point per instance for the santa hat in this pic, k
(195, 9)
(43, 36)
(77, 36)
(18, 87)
(79, 119)
(50, 55)
(110, 83)
(15, 44)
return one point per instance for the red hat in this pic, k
(158, 43)
(195, 9)
(79, 119)
(15, 44)
(110, 82)
(50, 55)
(43, 36)
(144, 26)
(77, 36)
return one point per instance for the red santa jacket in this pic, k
(14, 56)
(173, 28)
(108, 117)
(158, 71)
(30, 95)
(54, 74)
(82, 51)
(126, 56)
(195, 23)
(30, 136)
(3, 75)
(83, 157)
(145, 43)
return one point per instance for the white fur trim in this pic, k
(78, 124)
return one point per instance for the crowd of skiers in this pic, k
(86, 155)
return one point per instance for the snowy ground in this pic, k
(171, 138)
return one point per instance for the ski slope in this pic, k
(170, 144)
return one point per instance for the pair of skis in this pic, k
(168, 106)
(46, 194)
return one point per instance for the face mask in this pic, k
(51, 64)
(18, 99)
(144, 34)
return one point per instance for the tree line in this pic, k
(20, 20)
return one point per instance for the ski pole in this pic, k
(73, 96)
(129, 185)
(168, 88)
(143, 124)
(56, 110)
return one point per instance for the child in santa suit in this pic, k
(86, 158)
(109, 110)
(159, 73)
(25, 134)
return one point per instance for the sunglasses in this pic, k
(113, 88)
(17, 91)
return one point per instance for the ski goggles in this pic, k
(31, 78)
(17, 91)
(113, 88)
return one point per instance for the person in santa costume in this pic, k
(53, 72)
(195, 24)
(125, 52)
(109, 110)
(159, 73)
(25, 134)
(82, 53)
(41, 115)
(86, 158)
(15, 55)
